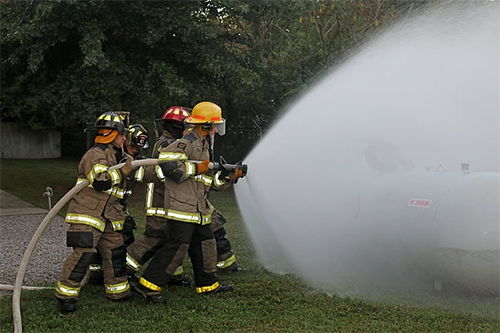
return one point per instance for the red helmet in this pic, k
(176, 113)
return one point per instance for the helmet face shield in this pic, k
(142, 141)
(208, 115)
(137, 136)
(221, 127)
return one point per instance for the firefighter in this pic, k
(186, 207)
(172, 125)
(95, 217)
(137, 140)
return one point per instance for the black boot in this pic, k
(154, 297)
(220, 289)
(126, 297)
(180, 280)
(133, 276)
(234, 268)
(96, 278)
(66, 306)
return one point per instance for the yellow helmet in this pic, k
(205, 113)
(208, 113)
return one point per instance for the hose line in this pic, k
(16, 298)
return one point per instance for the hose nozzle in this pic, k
(222, 165)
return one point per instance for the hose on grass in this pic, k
(16, 297)
(10, 287)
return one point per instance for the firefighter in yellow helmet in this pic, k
(186, 207)
(172, 126)
(95, 217)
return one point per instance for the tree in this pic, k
(64, 62)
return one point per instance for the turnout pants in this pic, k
(85, 241)
(143, 249)
(156, 234)
(225, 255)
(184, 238)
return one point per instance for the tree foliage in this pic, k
(64, 62)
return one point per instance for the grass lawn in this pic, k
(261, 302)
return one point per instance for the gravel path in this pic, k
(47, 258)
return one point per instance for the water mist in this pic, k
(385, 176)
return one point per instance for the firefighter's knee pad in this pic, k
(118, 258)
(223, 247)
(218, 221)
(83, 239)
(220, 233)
(81, 266)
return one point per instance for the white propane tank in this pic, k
(450, 221)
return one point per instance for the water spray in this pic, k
(396, 190)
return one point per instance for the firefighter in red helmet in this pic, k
(138, 253)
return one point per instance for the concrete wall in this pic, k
(19, 142)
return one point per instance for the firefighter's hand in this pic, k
(127, 168)
(202, 167)
(237, 174)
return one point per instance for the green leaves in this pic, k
(91, 45)
(64, 62)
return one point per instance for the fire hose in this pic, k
(16, 298)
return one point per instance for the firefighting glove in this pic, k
(202, 167)
(129, 223)
(127, 168)
(237, 173)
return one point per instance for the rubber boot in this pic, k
(67, 305)
(133, 276)
(127, 297)
(180, 280)
(150, 296)
(96, 278)
(234, 268)
(220, 289)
